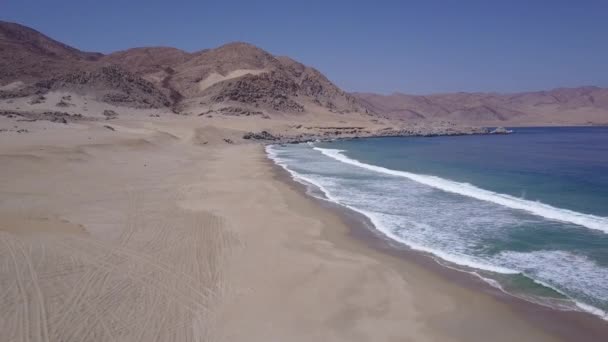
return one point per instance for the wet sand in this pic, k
(564, 325)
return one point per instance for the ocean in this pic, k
(526, 212)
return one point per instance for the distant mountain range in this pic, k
(563, 106)
(241, 78)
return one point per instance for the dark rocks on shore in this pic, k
(60, 117)
(239, 111)
(333, 133)
(21, 130)
(430, 131)
(109, 114)
(263, 135)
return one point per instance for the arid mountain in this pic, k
(154, 64)
(32, 64)
(583, 105)
(27, 55)
(237, 77)
(147, 59)
(110, 84)
(235, 74)
(241, 79)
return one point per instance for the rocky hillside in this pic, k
(239, 79)
(27, 55)
(236, 78)
(583, 105)
(235, 74)
(32, 64)
(147, 60)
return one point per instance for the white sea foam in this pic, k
(465, 189)
(514, 261)
(377, 222)
(593, 310)
(546, 268)
(273, 155)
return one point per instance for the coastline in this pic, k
(144, 195)
(183, 236)
(564, 325)
(346, 133)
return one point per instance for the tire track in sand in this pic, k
(35, 299)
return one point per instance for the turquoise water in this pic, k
(527, 212)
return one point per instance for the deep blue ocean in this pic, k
(526, 212)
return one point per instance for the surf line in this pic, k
(469, 190)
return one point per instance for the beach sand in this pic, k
(147, 233)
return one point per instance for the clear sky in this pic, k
(380, 46)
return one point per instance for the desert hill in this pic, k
(27, 55)
(32, 65)
(235, 74)
(562, 106)
(238, 78)
(147, 60)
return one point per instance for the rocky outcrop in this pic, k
(110, 84)
(110, 114)
(333, 133)
(267, 90)
(431, 131)
(314, 85)
(263, 135)
(238, 111)
(59, 117)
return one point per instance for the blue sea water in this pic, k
(527, 212)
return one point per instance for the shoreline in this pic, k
(349, 133)
(267, 138)
(216, 240)
(566, 325)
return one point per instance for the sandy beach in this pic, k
(140, 199)
(146, 233)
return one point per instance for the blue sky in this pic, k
(381, 46)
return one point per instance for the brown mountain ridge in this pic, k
(562, 106)
(235, 74)
(242, 79)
